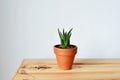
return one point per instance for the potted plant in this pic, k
(65, 52)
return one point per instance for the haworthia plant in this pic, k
(65, 38)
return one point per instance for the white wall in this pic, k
(28, 29)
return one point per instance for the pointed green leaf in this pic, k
(70, 31)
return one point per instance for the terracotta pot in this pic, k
(65, 57)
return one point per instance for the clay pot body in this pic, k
(65, 57)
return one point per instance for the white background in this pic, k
(28, 29)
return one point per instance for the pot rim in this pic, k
(65, 48)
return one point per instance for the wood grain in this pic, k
(83, 69)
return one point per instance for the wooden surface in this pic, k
(83, 69)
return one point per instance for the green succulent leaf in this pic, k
(70, 31)
(60, 34)
(65, 38)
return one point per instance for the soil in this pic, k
(58, 46)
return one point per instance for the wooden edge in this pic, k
(55, 58)
(18, 69)
(21, 65)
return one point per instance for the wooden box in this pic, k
(83, 69)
